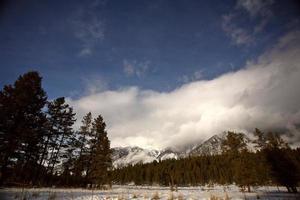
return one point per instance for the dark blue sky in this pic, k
(160, 44)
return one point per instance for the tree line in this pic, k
(38, 145)
(275, 163)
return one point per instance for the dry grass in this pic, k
(213, 197)
(24, 195)
(180, 197)
(155, 196)
(226, 197)
(134, 196)
(35, 195)
(145, 196)
(171, 196)
(52, 196)
(121, 197)
(17, 196)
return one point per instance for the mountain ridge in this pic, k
(123, 156)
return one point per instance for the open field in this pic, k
(144, 192)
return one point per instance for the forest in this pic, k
(40, 147)
(274, 164)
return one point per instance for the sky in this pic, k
(163, 73)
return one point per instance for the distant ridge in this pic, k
(123, 156)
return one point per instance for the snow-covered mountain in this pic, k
(168, 154)
(123, 156)
(209, 147)
(213, 145)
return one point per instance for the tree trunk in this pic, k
(3, 171)
(172, 183)
(56, 154)
(294, 189)
(37, 174)
(4, 168)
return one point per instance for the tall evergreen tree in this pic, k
(234, 143)
(68, 159)
(281, 166)
(260, 141)
(22, 123)
(245, 170)
(100, 155)
(61, 118)
(83, 136)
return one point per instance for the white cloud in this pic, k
(259, 10)
(128, 68)
(256, 7)
(135, 68)
(86, 51)
(94, 84)
(238, 35)
(264, 94)
(88, 28)
(197, 75)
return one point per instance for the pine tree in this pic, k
(274, 141)
(282, 168)
(100, 154)
(234, 143)
(61, 118)
(83, 136)
(260, 141)
(245, 170)
(68, 161)
(22, 124)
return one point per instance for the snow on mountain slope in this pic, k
(123, 156)
(168, 154)
(213, 145)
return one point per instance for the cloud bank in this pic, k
(264, 94)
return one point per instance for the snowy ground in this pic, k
(138, 192)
